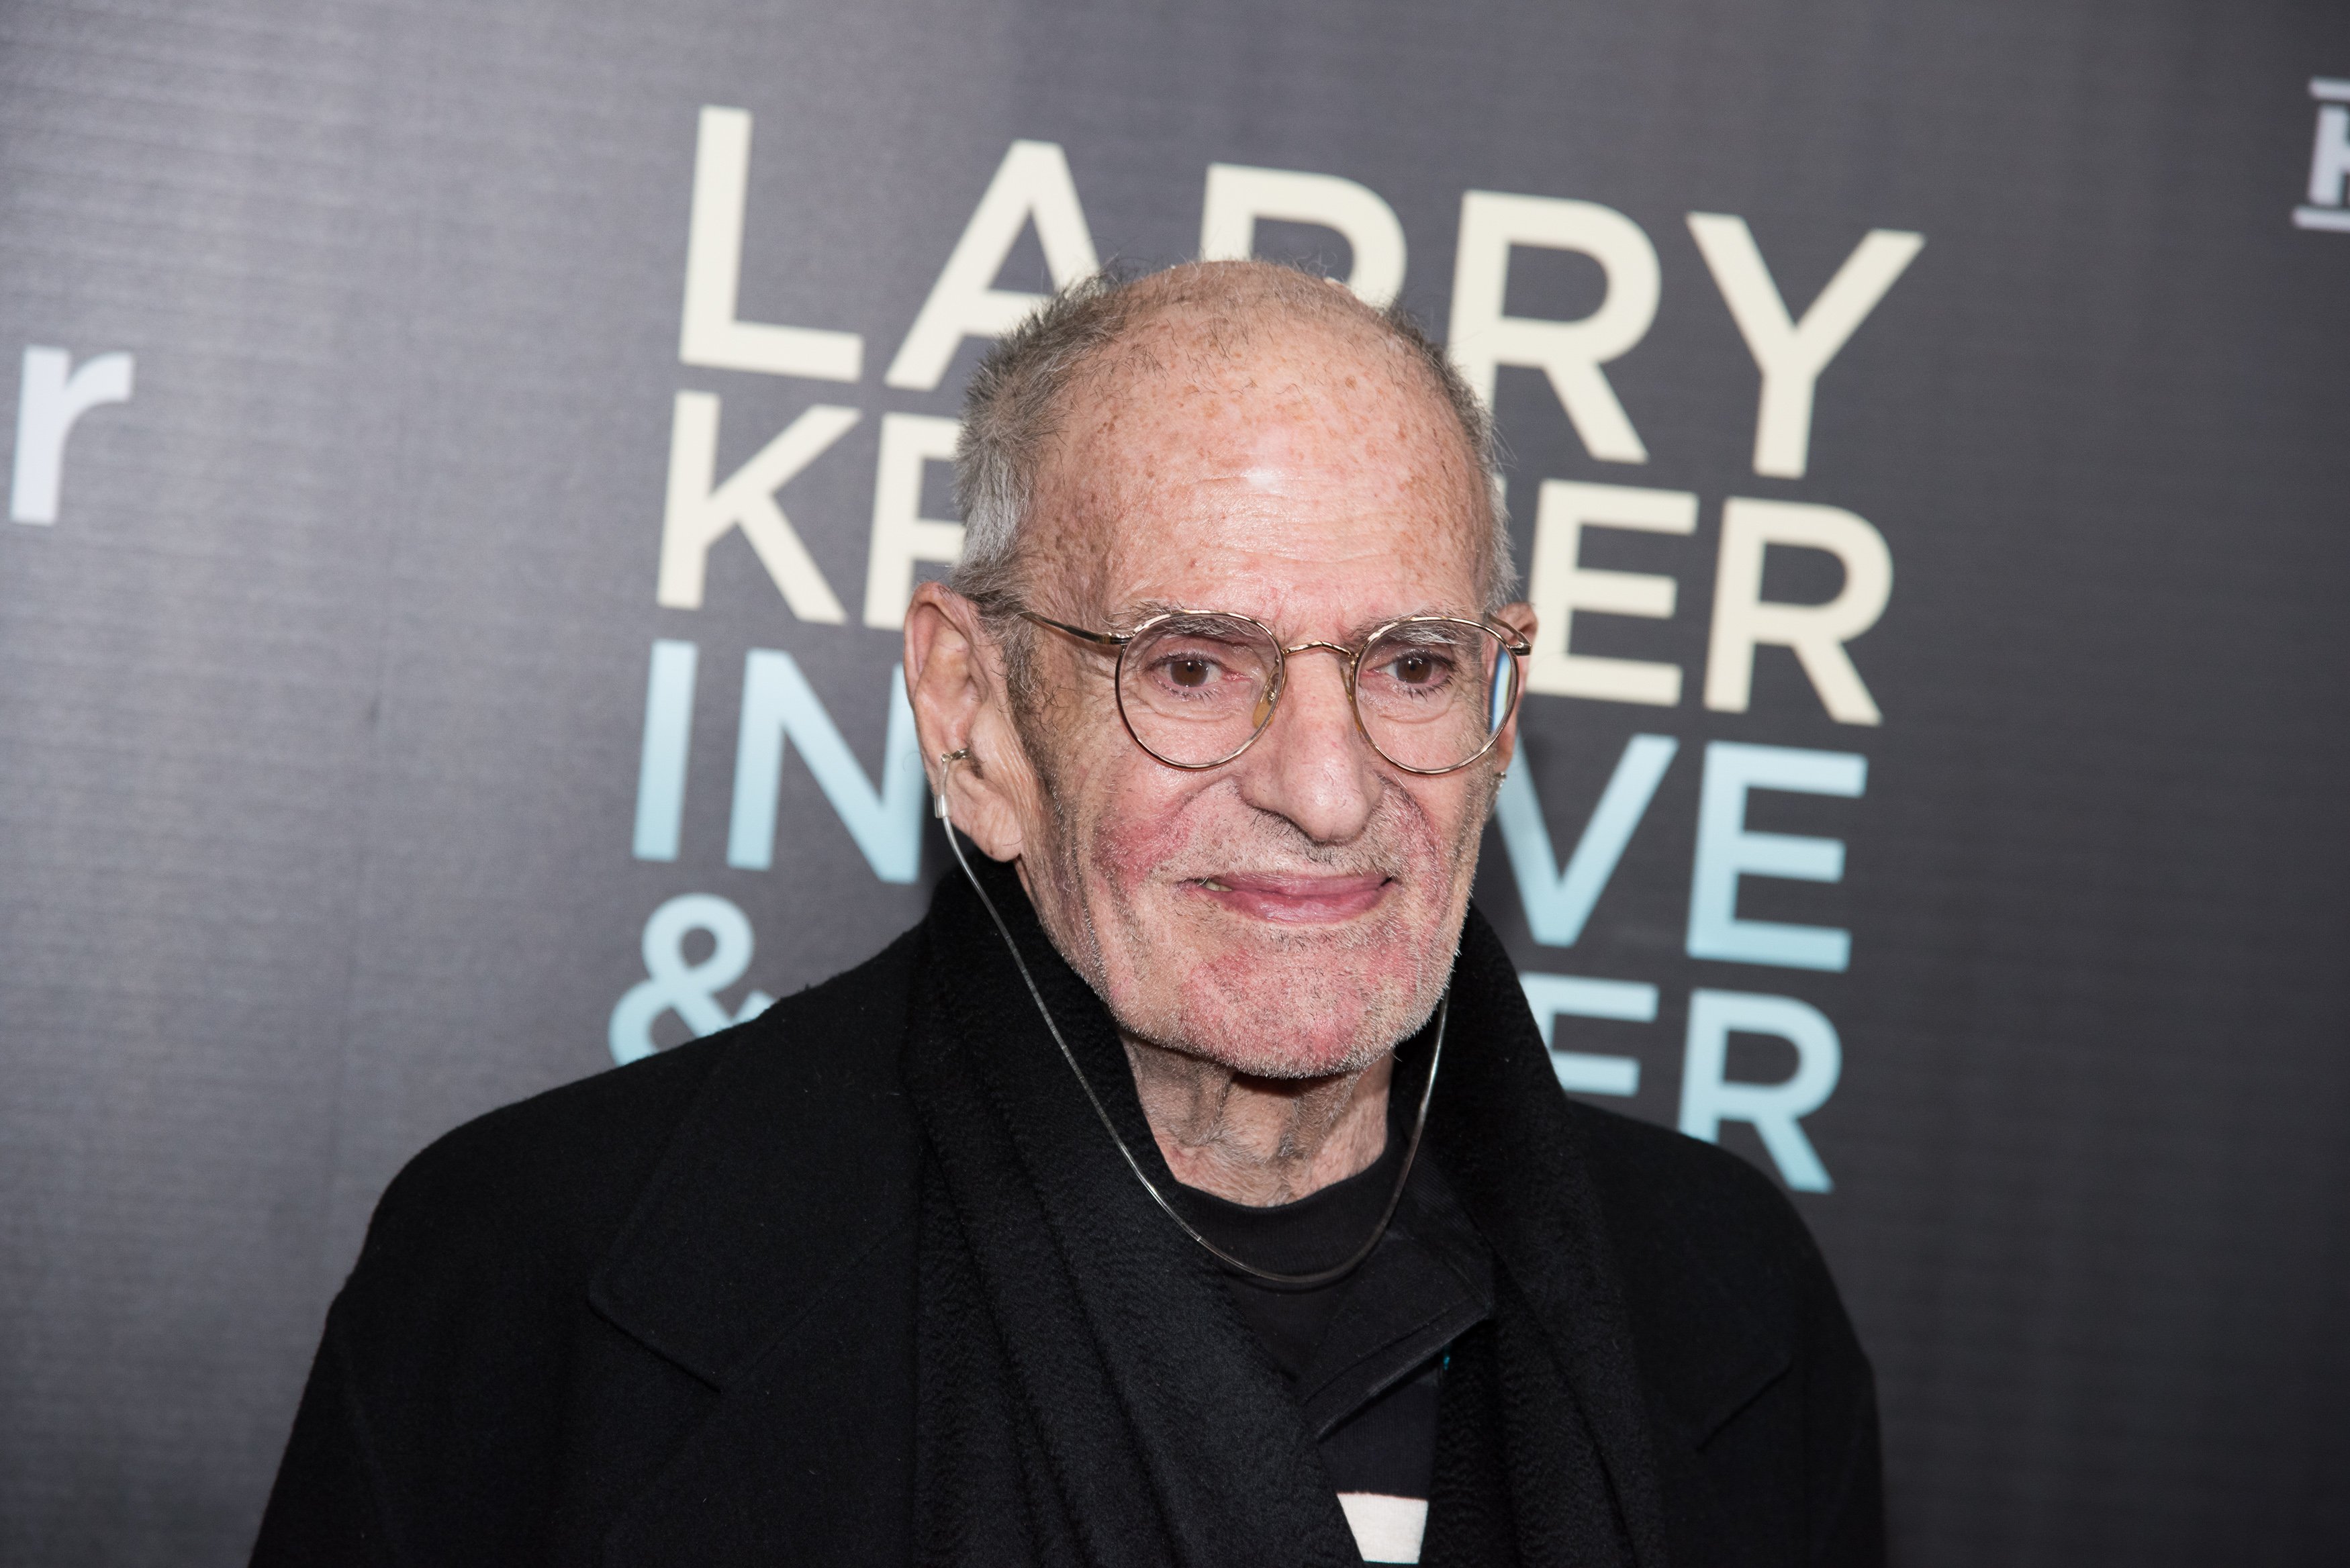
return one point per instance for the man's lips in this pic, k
(1294, 899)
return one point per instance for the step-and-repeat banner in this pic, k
(470, 463)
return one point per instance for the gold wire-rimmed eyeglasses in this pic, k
(1432, 693)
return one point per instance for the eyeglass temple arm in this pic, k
(1512, 638)
(1100, 638)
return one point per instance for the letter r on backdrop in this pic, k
(1484, 338)
(1710, 1098)
(49, 401)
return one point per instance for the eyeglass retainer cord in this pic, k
(1286, 1282)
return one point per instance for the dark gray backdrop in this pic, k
(325, 693)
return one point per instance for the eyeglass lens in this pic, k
(1197, 689)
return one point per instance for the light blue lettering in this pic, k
(1727, 850)
(669, 730)
(1558, 903)
(886, 822)
(689, 990)
(1578, 1072)
(1708, 1099)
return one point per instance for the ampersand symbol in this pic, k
(689, 990)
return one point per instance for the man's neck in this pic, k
(1260, 1141)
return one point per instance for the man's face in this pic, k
(1296, 911)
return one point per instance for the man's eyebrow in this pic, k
(1417, 633)
(1144, 610)
(1141, 610)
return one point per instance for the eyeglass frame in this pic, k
(1513, 643)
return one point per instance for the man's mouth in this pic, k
(1302, 900)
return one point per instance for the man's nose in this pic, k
(1313, 765)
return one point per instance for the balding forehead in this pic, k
(1206, 347)
(1197, 394)
(1210, 342)
(1243, 286)
(1199, 318)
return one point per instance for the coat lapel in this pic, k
(1503, 1132)
(773, 1258)
(1662, 1353)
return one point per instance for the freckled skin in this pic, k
(1268, 485)
(1264, 931)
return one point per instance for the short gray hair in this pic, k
(1013, 403)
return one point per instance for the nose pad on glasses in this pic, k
(1264, 711)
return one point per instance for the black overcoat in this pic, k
(667, 1314)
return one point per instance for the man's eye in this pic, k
(1417, 669)
(1189, 671)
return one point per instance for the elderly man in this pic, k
(1191, 1186)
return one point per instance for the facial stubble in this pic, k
(1315, 982)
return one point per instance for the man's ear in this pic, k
(1519, 617)
(955, 681)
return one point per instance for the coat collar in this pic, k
(1516, 1151)
(772, 1258)
(791, 1186)
(797, 1161)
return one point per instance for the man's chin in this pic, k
(1276, 1001)
(1322, 1024)
(1290, 1069)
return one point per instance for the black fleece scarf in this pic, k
(1088, 1397)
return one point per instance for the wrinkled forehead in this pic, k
(1268, 454)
